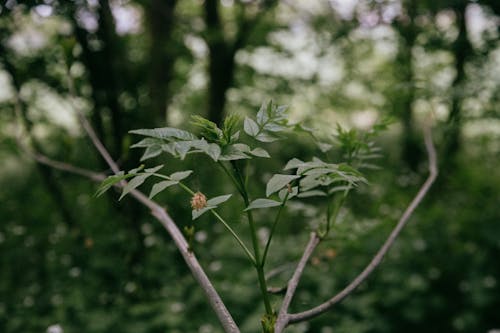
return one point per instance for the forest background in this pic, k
(76, 263)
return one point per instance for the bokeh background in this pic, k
(70, 262)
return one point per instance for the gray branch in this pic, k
(282, 320)
(157, 211)
(316, 311)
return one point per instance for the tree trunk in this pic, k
(461, 50)
(161, 18)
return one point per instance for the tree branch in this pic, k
(157, 211)
(282, 320)
(433, 172)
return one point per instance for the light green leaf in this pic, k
(218, 200)
(151, 151)
(262, 203)
(153, 169)
(134, 183)
(242, 147)
(339, 189)
(262, 114)
(293, 164)
(277, 182)
(146, 143)
(312, 193)
(165, 133)
(259, 152)
(182, 147)
(158, 187)
(214, 151)
(110, 182)
(180, 175)
(199, 212)
(324, 147)
(284, 192)
(232, 153)
(264, 137)
(250, 127)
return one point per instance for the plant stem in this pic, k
(273, 229)
(255, 242)
(247, 251)
(226, 225)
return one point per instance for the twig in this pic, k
(199, 274)
(433, 172)
(282, 319)
(159, 212)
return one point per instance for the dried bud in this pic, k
(198, 201)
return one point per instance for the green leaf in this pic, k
(312, 193)
(147, 142)
(263, 113)
(259, 152)
(262, 203)
(134, 183)
(151, 151)
(277, 182)
(218, 200)
(110, 182)
(232, 152)
(324, 147)
(180, 175)
(250, 127)
(195, 213)
(182, 148)
(339, 188)
(264, 137)
(293, 164)
(153, 169)
(214, 151)
(165, 133)
(158, 187)
(292, 194)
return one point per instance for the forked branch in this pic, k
(285, 319)
(157, 211)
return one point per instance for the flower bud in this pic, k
(198, 201)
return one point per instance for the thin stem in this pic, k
(231, 176)
(332, 213)
(255, 242)
(273, 229)
(226, 225)
(247, 251)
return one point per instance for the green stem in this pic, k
(226, 225)
(233, 179)
(332, 212)
(273, 229)
(247, 251)
(255, 243)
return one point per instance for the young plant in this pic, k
(247, 140)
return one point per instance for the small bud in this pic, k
(198, 201)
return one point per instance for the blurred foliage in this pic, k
(69, 260)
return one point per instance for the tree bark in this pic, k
(161, 19)
(462, 50)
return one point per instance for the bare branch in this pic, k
(308, 314)
(157, 211)
(282, 320)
